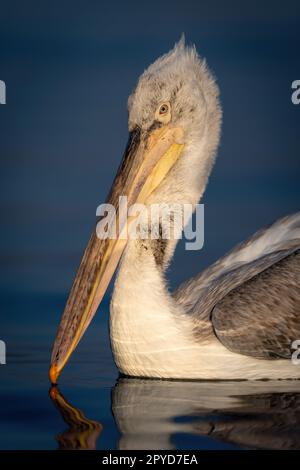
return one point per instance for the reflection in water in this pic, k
(148, 413)
(249, 414)
(82, 432)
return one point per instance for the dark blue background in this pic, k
(68, 68)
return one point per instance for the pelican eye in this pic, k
(163, 112)
(163, 109)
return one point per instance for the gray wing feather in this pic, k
(268, 247)
(261, 317)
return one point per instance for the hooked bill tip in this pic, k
(53, 374)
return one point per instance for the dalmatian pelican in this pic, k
(238, 319)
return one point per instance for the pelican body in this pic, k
(236, 320)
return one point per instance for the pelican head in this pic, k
(178, 92)
(174, 119)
